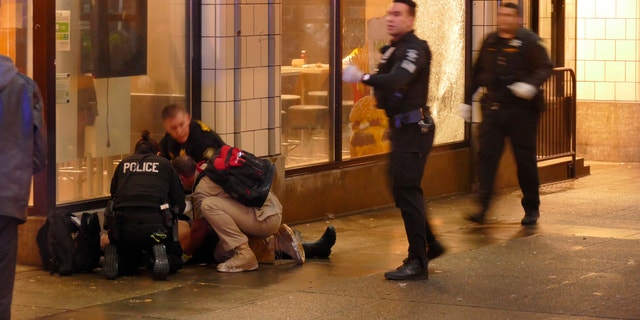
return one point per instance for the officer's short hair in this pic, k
(184, 165)
(146, 144)
(511, 5)
(412, 6)
(171, 110)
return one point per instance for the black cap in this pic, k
(410, 3)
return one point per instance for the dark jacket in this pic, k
(402, 85)
(201, 144)
(402, 81)
(23, 147)
(502, 62)
(146, 180)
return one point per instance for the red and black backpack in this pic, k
(245, 177)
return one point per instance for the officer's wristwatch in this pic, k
(366, 77)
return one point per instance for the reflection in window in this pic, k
(114, 38)
(364, 33)
(107, 94)
(365, 129)
(15, 39)
(305, 70)
(305, 82)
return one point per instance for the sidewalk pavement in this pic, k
(581, 262)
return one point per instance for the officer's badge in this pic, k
(209, 153)
(515, 42)
(203, 126)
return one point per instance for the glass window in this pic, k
(364, 33)
(118, 62)
(365, 128)
(15, 33)
(305, 82)
(442, 24)
(305, 52)
(16, 37)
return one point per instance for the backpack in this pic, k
(242, 175)
(69, 244)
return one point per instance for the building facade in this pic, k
(265, 75)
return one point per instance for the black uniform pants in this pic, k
(406, 170)
(135, 244)
(520, 124)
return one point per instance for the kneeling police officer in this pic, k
(146, 196)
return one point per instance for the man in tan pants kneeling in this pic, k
(238, 225)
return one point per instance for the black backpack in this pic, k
(245, 177)
(70, 244)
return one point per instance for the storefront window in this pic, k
(305, 51)
(15, 33)
(15, 37)
(118, 62)
(365, 131)
(305, 81)
(441, 23)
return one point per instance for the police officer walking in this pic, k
(512, 65)
(146, 195)
(401, 89)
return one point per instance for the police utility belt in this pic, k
(165, 216)
(415, 116)
(115, 219)
(130, 218)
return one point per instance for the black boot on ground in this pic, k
(110, 264)
(411, 269)
(530, 218)
(321, 248)
(160, 267)
(478, 218)
(435, 250)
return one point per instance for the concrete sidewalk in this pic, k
(581, 262)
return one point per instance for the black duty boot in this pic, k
(530, 218)
(479, 217)
(322, 247)
(411, 269)
(435, 250)
(160, 268)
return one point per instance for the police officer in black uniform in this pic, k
(512, 65)
(187, 137)
(401, 89)
(146, 197)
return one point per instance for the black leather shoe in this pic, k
(477, 218)
(530, 218)
(322, 247)
(435, 250)
(412, 269)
